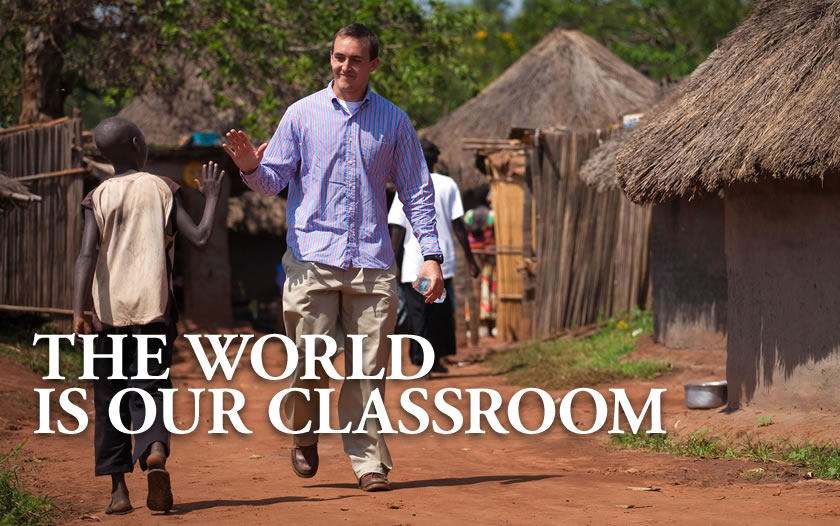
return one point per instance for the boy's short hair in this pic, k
(113, 137)
(358, 31)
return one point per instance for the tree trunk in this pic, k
(42, 98)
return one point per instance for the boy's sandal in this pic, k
(160, 490)
(110, 511)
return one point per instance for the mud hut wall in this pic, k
(689, 274)
(39, 244)
(591, 247)
(206, 272)
(782, 249)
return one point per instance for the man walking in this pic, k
(335, 149)
(433, 321)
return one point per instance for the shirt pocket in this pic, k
(378, 149)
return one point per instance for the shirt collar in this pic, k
(334, 97)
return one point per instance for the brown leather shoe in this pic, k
(374, 482)
(305, 460)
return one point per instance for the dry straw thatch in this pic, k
(165, 118)
(567, 80)
(599, 168)
(763, 105)
(256, 213)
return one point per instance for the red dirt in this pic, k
(552, 478)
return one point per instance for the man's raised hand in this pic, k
(243, 153)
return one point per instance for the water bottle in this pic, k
(422, 285)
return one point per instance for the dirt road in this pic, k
(552, 478)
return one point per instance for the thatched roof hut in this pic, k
(688, 280)
(13, 194)
(764, 107)
(165, 118)
(760, 123)
(567, 80)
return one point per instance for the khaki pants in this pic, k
(314, 296)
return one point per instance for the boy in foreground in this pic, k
(127, 246)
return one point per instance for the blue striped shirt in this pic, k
(336, 166)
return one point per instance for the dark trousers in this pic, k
(433, 321)
(113, 448)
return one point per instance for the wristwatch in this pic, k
(434, 257)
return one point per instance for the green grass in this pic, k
(757, 450)
(821, 460)
(567, 363)
(16, 335)
(698, 444)
(17, 505)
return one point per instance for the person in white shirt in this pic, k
(433, 321)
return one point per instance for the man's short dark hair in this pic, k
(359, 31)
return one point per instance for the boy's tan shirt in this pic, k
(131, 281)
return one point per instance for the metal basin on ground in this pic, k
(705, 395)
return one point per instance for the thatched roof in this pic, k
(763, 105)
(257, 214)
(599, 168)
(567, 80)
(14, 194)
(165, 118)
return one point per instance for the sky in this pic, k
(515, 5)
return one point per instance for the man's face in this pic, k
(351, 63)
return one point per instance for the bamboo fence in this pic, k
(592, 247)
(39, 244)
(581, 257)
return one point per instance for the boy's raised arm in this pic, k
(85, 264)
(211, 186)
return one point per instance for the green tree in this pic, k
(494, 46)
(663, 38)
(52, 48)
(260, 55)
(275, 52)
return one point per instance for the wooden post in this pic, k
(528, 265)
